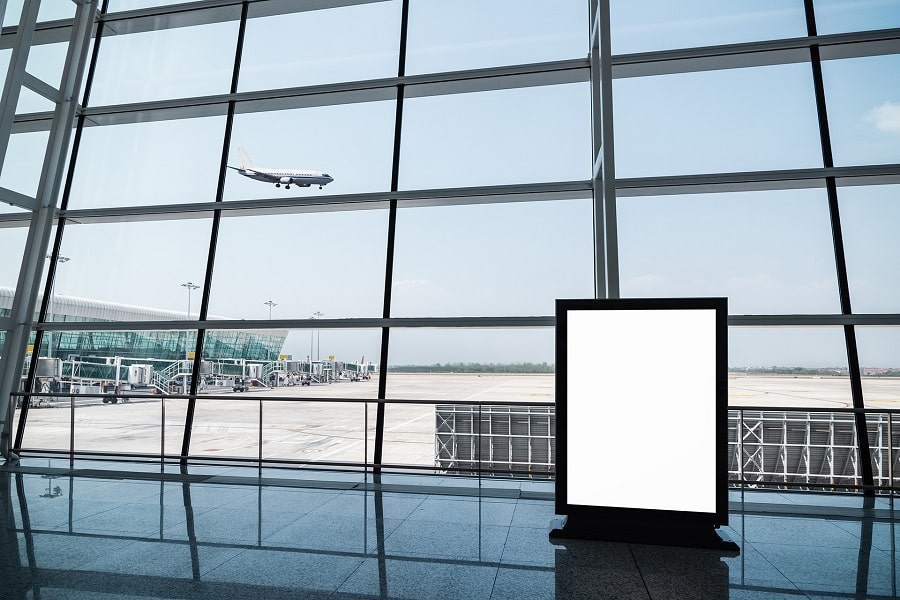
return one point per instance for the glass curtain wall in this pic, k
(401, 312)
(756, 158)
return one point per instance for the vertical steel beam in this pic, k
(213, 242)
(391, 236)
(862, 433)
(606, 253)
(13, 356)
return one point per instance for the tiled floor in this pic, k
(101, 532)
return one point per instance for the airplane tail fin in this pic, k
(245, 160)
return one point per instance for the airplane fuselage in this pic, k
(285, 177)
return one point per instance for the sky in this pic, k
(770, 252)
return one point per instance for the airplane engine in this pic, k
(285, 180)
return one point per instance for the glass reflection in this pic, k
(870, 216)
(768, 252)
(716, 121)
(463, 365)
(144, 278)
(497, 137)
(167, 63)
(879, 361)
(157, 162)
(863, 109)
(444, 36)
(351, 142)
(840, 16)
(646, 25)
(496, 259)
(46, 61)
(24, 161)
(347, 43)
(788, 367)
(331, 262)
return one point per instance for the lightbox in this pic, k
(641, 402)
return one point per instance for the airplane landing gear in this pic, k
(277, 185)
(287, 187)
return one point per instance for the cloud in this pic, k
(886, 117)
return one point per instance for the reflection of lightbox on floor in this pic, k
(641, 402)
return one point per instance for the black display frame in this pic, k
(642, 524)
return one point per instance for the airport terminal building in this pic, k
(427, 178)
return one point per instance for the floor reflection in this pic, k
(172, 534)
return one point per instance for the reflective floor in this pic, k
(105, 530)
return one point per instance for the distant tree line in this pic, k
(820, 371)
(460, 367)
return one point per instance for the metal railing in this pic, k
(768, 447)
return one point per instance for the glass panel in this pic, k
(870, 218)
(337, 44)
(5, 55)
(49, 11)
(879, 360)
(103, 372)
(138, 279)
(352, 143)
(645, 25)
(469, 365)
(116, 423)
(497, 137)
(768, 252)
(492, 259)
(49, 420)
(121, 5)
(456, 368)
(30, 102)
(160, 162)
(452, 35)
(863, 97)
(716, 121)
(94, 352)
(175, 415)
(46, 62)
(332, 263)
(839, 16)
(272, 367)
(12, 246)
(226, 428)
(409, 435)
(24, 161)
(318, 431)
(169, 63)
(788, 367)
(279, 358)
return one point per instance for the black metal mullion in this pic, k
(391, 237)
(213, 241)
(856, 391)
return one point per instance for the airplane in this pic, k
(281, 176)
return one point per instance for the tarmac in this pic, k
(336, 422)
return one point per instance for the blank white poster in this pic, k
(641, 409)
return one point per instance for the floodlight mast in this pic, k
(191, 286)
(271, 304)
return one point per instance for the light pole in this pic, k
(60, 259)
(270, 304)
(318, 315)
(191, 286)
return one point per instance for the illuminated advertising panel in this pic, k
(642, 411)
